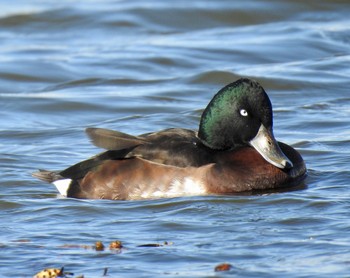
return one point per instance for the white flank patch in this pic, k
(186, 187)
(63, 186)
(181, 187)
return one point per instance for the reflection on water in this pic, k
(139, 66)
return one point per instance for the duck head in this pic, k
(241, 114)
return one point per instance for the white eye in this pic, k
(243, 112)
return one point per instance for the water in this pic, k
(141, 66)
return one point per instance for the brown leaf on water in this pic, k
(50, 273)
(223, 267)
(99, 246)
(115, 245)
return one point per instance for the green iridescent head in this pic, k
(234, 115)
(241, 114)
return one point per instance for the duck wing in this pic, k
(175, 146)
(113, 140)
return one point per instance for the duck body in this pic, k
(180, 162)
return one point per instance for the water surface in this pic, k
(141, 66)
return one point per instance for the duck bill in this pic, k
(265, 143)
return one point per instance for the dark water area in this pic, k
(142, 66)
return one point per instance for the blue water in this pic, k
(142, 66)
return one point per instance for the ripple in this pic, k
(140, 66)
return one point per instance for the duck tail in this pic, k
(47, 176)
(62, 184)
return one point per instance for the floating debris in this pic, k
(56, 272)
(99, 246)
(155, 244)
(223, 267)
(150, 245)
(115, 245)
(52, 273)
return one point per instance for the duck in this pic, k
(233, 152)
